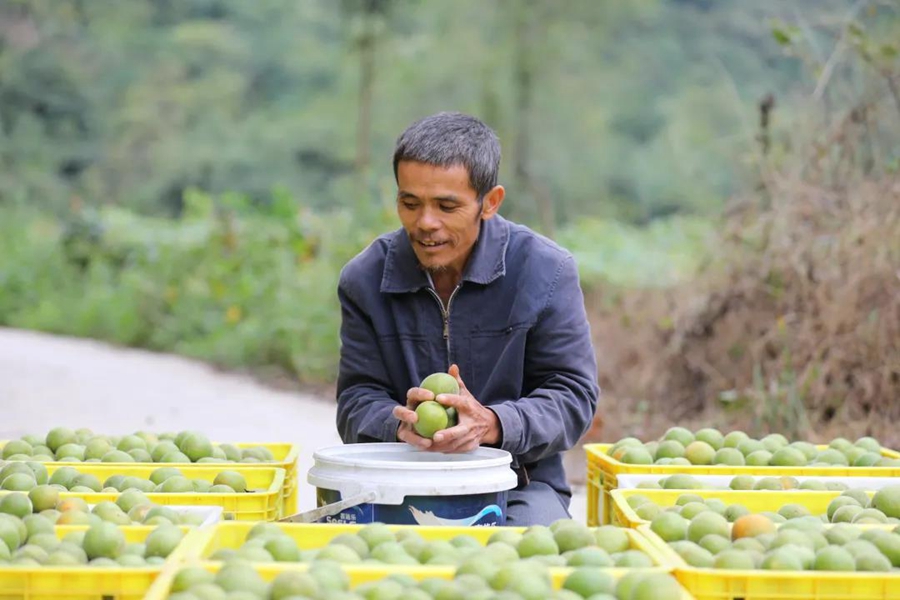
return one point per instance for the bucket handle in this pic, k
(328, 510)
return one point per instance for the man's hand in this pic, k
(408, 417)
(477, 424)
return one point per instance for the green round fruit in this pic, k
(432, 417)
(232, 479)
(735, 559)
(18, 482)
(681, 481)
(16, 447)
(788, 457)
(59, 437)
(589, 581)
(570, 537)
(440, 383)
(162, 541)
(611, 539)
(670, 526)
(699, 453)
(17, 505)
(832, 456)
(669, 449)
(537, 543)
(707, 523)
(742, 483)
(290, 584)
(711, 436)
(131, 442)
(159, 475)
(809, 450)
(637, 455)
(104, 540)
(196, 446)
(283, 549)
(734, 438)
(117, 456)
(728, 456)
(241, 577)
(749, 446)
(870, 444)
(887, 500)
(680, 435)
(158, 451)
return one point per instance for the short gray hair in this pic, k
(451, 138)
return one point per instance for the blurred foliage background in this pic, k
(190, 175)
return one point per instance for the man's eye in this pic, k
(448, 207)
(409, 205)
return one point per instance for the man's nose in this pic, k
(428, 220)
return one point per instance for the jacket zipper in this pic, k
(445, 314)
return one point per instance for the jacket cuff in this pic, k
(391, 425)
(511, 428)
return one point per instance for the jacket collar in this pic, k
(402, 273)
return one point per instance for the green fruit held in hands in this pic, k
(440, 383)
(432, 418)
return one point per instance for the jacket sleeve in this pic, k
(561, 382)
(363, 396)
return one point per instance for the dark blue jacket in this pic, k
(516, 327)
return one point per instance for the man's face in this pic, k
(441, 214)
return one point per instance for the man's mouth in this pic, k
(430, 244)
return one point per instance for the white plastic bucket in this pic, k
(414, 487)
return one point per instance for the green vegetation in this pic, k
(190, 177)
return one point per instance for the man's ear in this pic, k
(492, 201)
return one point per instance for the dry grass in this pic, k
(796, 328)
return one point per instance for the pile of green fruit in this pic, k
(433, 416)
(708, 446)
(852, 506)
(564, 543)
(130, 508)
(26, 476)
(525, 580)
(681, 481)
(82, 445)
(708, 540)
(32, 541)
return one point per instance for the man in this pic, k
(459, 289)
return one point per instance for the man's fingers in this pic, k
(453, 371)
(451, 433)
(461, 443)
(418, 394)
(413, 439)
(454, 400)
(405, 415)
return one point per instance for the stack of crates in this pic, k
(609, 503)
(274, 495)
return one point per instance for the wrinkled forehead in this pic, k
(424, 180)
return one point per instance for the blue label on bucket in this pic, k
(474, 510)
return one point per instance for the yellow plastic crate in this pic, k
(84, 582)
(314, 535)
(358, 574)
(602, 470)
(285, 458)
(755, 501)
(734, 584)
(267, 505)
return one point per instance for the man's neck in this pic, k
(444, 282)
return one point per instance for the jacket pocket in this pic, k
(497, 357)
(409, 358)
